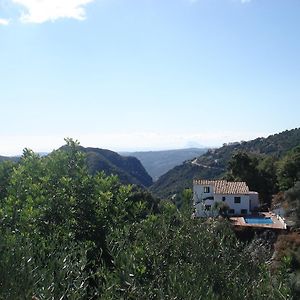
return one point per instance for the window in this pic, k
(237, 199)
(207, 207)
(223, 198)
(244, 211)
(231, 211)
(206, 189)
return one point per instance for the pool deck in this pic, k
(278, 222)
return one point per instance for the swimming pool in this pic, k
(258, 220)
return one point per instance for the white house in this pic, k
(236, 195)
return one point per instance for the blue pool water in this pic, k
(258, 220)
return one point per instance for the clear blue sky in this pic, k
(147, 74)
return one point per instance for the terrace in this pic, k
(266, 220)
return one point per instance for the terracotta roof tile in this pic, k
(225, 187)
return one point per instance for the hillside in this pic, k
(213, 163)
(10, 158)
(128, 169)
(180, 178)
(158, 163)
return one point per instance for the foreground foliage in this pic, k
(66, 234)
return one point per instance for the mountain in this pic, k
(158, 163)
(129, 169)
(213, 163)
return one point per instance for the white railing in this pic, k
(281, 220)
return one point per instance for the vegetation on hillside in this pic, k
(288, 245)
(269, 166)
(263, 163)
(69, 234)
(264, 173)
(128, 169)
(179, 178)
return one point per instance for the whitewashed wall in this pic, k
(200, 203)
(254, 200)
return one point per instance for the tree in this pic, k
(257, 171)
(242, 167)
(222, 208)
(293, 199)
(289, 169)
(6, 169)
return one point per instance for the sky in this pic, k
(147, 74)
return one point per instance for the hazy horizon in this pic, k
(58, 142)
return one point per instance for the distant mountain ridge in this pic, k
(158, 163)
(213, 163)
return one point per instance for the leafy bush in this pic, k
(168, 256)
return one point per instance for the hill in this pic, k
(180, 178)
(10, 158)
(129, 169)
(158, 163)
(213, 163)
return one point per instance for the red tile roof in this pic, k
(225, 187)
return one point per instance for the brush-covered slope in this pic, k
(213, 163)
(128, 169)
(180, 178)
